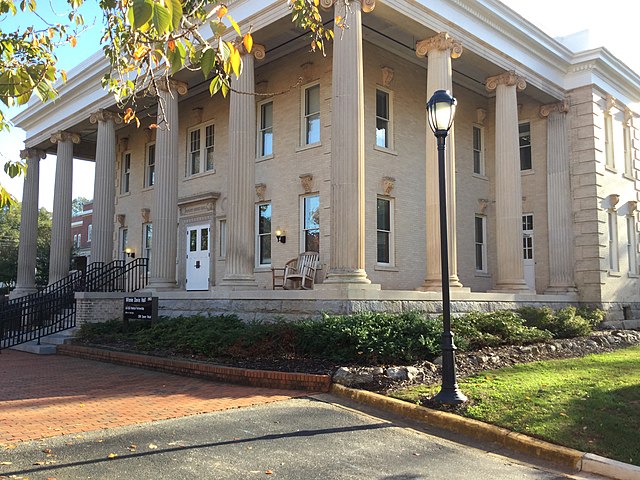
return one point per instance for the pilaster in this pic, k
(27, 249)
(61, 243)
(561, 257)
(165, 192)
(510, 268)
(439, 50)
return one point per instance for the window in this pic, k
(201, 145)
(265, 130)
(263, 237)
(124, 240)
(628, 151)
(150, 174)
(608, 141)
(481, 243)
(614, 265)
(527, 238)
(524, 130)
(222, 248)
(632, 242)
(384, 240)
(89, 232)
(79, 240)
(478, 150)
(311, 115)
(310, 241)
(126, 172)
(147, 240)
(383, 119)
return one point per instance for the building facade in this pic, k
(335, 150)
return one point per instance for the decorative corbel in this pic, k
(387, 76)
(609, 103)
(483, 203)
(481, 115)
(387, 185)
(121, 218)
(146, 214)
(196, 115)
(610, 201)
(306, 180)
(261, 189)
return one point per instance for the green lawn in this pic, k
(591, 403)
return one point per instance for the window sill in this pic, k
(262, 269)
(198, 175)
(482, 274)
(611, 169)
(633, 275)
(147, 189)
(615, 274)
(264, 159)
(388, 151)
(308, 147)
(530, 171)
(221, 259)
(628, 177)
(480, 176)
(125, 194)
(386, 268)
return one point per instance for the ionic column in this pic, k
(240, 260)
(347, 262)
(27, 249)
(104, 190)
(60, 249)
(510, 268)
(165, 191)
(559, 199)
(440, 49)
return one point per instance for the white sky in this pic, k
(612, 24)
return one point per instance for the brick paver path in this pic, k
(45, 396)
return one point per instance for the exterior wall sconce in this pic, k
(281, 235)
(130, 253)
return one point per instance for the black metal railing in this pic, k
(53, 308)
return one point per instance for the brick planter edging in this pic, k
(244, 376)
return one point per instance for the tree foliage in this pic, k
(77, 205)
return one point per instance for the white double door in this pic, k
(198, 257)
(529, 262)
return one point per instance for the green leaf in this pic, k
(142, 12)
(207, 61)
(175, 10)
(161, 18)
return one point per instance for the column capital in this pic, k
(560, 107)
(440, 41)
(509, 78)
(104, 116)
(63, 136)
(367, 5)
(258, 51)
(170, 85)
(33, 153)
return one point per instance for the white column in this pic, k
(165, 191)
(559, 199)
(510, 274)
(104, 190)
(240, 261)
(61, 244)
(347, 262)
(27, 249)
(440, 49)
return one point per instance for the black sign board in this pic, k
(140, 308)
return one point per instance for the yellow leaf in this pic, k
(73, 41)
(172, 45)
(234, 25)
(235, 61)
(222, 11)
(563, 414)
(112, 455)
(6, 463)
(153, 446)
(248, 42)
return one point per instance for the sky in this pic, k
(612, 24)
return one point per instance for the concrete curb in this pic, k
(243, 376)
(568, 457)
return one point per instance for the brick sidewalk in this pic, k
(45, 396)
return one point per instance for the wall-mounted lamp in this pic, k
(130, 253)
(281, 235)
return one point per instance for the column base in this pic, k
(358, 277)
(21, 292)
(431, 285)
(513, 286)
(560, 289)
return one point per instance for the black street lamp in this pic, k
(441, 109)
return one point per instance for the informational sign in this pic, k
(140, 308)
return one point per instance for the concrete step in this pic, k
(33, 347)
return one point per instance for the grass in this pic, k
(590, 403)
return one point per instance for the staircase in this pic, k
(38, 318)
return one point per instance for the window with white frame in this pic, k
(222, 237)
(481, 243)
(608, 140)
(524, 133)
(265, 129)
(147, 241)
(126, 172)
(478, 150)
(310, 223)
(614, 264)
(527, 238)
(263, 234)
(200, 149)
(89, 232)
(383, 118)
(628, 150)
(150, 166)
(311, 115)
(384, 231)
(632, 245)
(124, 241)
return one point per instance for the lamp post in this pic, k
(441, 109)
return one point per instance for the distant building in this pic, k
(81, 230)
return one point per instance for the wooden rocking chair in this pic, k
(300, 273)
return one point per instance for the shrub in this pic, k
(564, 323)
(593, 315)
(479, 330)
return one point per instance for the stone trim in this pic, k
(509, 78)
(62, 136)
(104, 116)
(440, 41)
(560, 107)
